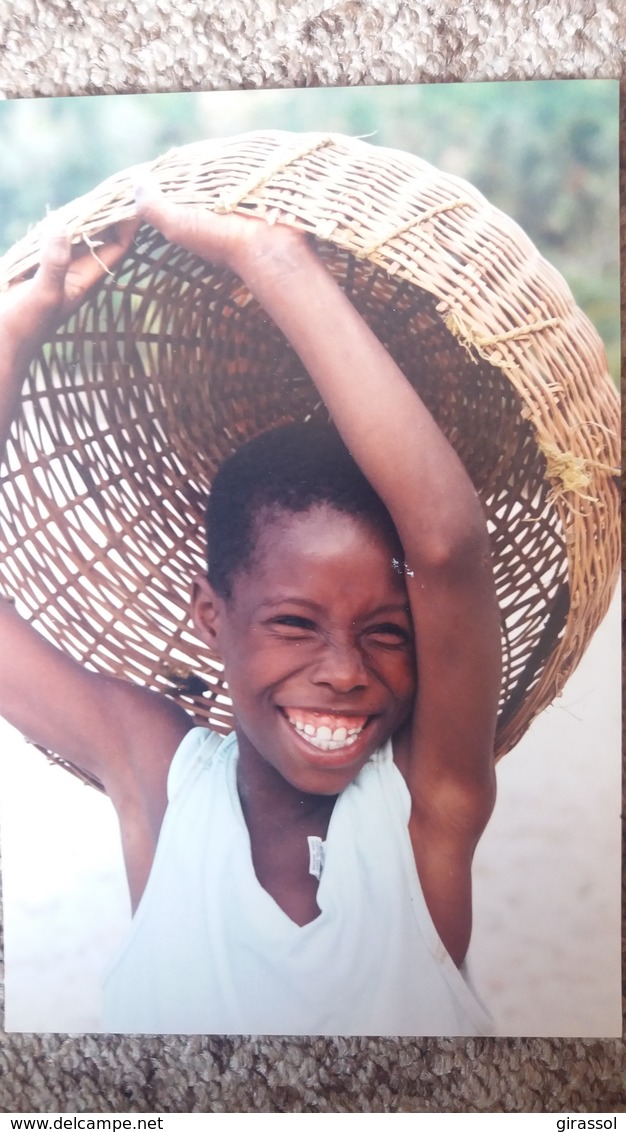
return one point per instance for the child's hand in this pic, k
(242, 243)
(31, 309)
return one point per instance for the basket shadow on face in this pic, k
(166, 370)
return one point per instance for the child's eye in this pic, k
(292, 625)
(388, 635)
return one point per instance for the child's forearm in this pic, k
(10, 386)
(16, 353)
(384, 423)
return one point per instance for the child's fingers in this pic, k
(178, 224)
(195, 228)
(231, 239)
(32, 307)
(151, 205)
(83, 273)
(117, 241)
(56, 255)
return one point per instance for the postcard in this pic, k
(378, 329)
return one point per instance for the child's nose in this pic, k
(341, 668)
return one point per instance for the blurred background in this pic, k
(545, 955)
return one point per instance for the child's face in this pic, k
(317, 645)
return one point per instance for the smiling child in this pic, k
(310, 873)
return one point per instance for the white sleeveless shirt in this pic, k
(211, 952)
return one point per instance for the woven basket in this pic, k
(171, 364)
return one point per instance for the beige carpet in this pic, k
(63, 48)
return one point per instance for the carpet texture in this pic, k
(67, 47)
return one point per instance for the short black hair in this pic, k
(291, 468)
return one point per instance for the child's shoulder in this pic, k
(198, 750)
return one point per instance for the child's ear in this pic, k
(205, 612)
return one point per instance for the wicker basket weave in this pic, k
(171, 364)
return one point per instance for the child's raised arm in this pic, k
(447, 756)
(101, 725)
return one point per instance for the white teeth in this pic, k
(324, 738)
(330, 744)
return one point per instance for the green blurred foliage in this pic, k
(544, 152)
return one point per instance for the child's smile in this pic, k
(327, 742)
(317, 643)
(325, 731)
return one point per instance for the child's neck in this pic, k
(280, 819)
(268, 799)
